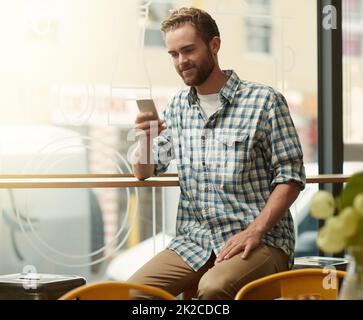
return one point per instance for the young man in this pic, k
(240, 168)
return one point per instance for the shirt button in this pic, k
(206, 208)
(203, 163)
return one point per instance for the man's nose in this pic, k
(182, 59)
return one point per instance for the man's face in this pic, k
(192, 58)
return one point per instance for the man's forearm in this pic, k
(278, 203)
(141, 166)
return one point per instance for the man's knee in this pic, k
(214, 288)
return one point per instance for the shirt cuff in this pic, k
(290, 172)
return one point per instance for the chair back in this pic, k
(322, 284)
(112, 290)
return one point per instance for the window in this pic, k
(76, 88)
(259, 27)
(156, 12)
(352, 28)
(352, 45)
(352, 71)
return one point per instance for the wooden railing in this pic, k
(116, 181)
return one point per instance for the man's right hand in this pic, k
(145, 126)
(145, 121)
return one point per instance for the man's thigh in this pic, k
(168, 271)
(225, 279)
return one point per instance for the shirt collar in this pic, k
(227, 92)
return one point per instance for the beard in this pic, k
(194, 74)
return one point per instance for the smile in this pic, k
(186, 71)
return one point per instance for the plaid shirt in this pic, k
(228, 165)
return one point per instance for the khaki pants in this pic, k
(168, 271)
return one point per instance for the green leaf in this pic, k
(352, 188)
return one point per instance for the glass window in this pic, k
(352, 85)
(352, 45)
(262, 7)
(156, 12)
(352, 28)
(353, 71)
(67, 104)
(259, 36)
(258, 27)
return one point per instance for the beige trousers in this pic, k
(220, 281)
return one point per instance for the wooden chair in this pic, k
(112, 290)
(294, 284)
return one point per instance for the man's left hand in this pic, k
(244, 241)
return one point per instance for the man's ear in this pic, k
(215, 44)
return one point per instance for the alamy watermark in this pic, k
(330, 281)
(329, 17)
(199, 145)
(29, 277)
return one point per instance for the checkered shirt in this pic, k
(228, 165)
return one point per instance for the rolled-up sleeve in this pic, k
(286, 161)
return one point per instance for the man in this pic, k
(239, 164)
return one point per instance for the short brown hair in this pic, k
(204, 24)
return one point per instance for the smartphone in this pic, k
(148, 105)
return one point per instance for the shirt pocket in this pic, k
(234, 150)
(228, 155)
